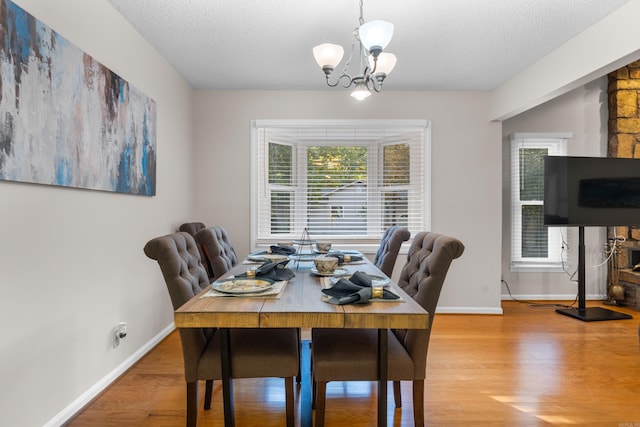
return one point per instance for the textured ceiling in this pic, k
(440, 44)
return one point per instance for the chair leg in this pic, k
(418, 403)
(397, 394)
(288, 386)
(192, 404)
(208, 392)
(314, 392)
(320, 402)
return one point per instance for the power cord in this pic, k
(565, 254)
(532, 304)
(565, 251)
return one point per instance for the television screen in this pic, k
(596, 191)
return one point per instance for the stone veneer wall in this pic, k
(624, 137)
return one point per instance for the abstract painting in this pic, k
(66, 119)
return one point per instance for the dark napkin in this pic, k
(276, 271)
(356, 290)
(282, 250)
(340, 256)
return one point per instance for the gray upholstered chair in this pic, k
(218, 251)
(351, 354)
(192, 228)
(255, 353)
(389, 248)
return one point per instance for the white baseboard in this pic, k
(547, 297)
(507, 297)
(469, 310)
(86, 397)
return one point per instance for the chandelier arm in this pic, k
(369, 83)
(375, 65)
(345, 78)
(373, 82)
(332, 84)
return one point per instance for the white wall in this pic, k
(71, 261)
(584, 112)
(466, 173)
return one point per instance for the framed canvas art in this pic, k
(66, 119)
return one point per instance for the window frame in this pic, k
(557, 145)
(368, 241)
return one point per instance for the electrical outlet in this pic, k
(119, 333)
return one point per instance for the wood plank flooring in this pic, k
(529, 367)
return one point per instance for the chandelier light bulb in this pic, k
(328, 55)
(385, 63)
(375, 35)
(361, 91)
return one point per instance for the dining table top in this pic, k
(301, 305)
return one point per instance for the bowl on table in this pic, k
(325, 264)
(323, 247)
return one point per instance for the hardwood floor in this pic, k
(529, 367)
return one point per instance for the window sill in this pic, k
(365, 248)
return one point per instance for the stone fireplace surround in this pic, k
(624, 141)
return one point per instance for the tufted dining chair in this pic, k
(351, 354)
(389, 248)
(192, 228)
(255, 353)
(218, 251)
(221, 257)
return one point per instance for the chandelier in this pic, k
(370, 39)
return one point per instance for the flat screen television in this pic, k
(591, 191)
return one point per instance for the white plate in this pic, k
(375, 280)
(336, 272)
(264, 256)
(241, 285)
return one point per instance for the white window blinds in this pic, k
(342, 180)
(533, 245)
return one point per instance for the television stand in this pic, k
(590, 314)
(584, 313)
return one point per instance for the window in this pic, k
(336, 213)
(346, 181)
(533, 245)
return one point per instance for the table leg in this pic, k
(227, 383)
(382, 376)
(306, 414)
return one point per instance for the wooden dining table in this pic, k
(301, 305)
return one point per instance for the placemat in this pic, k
(274, 292)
